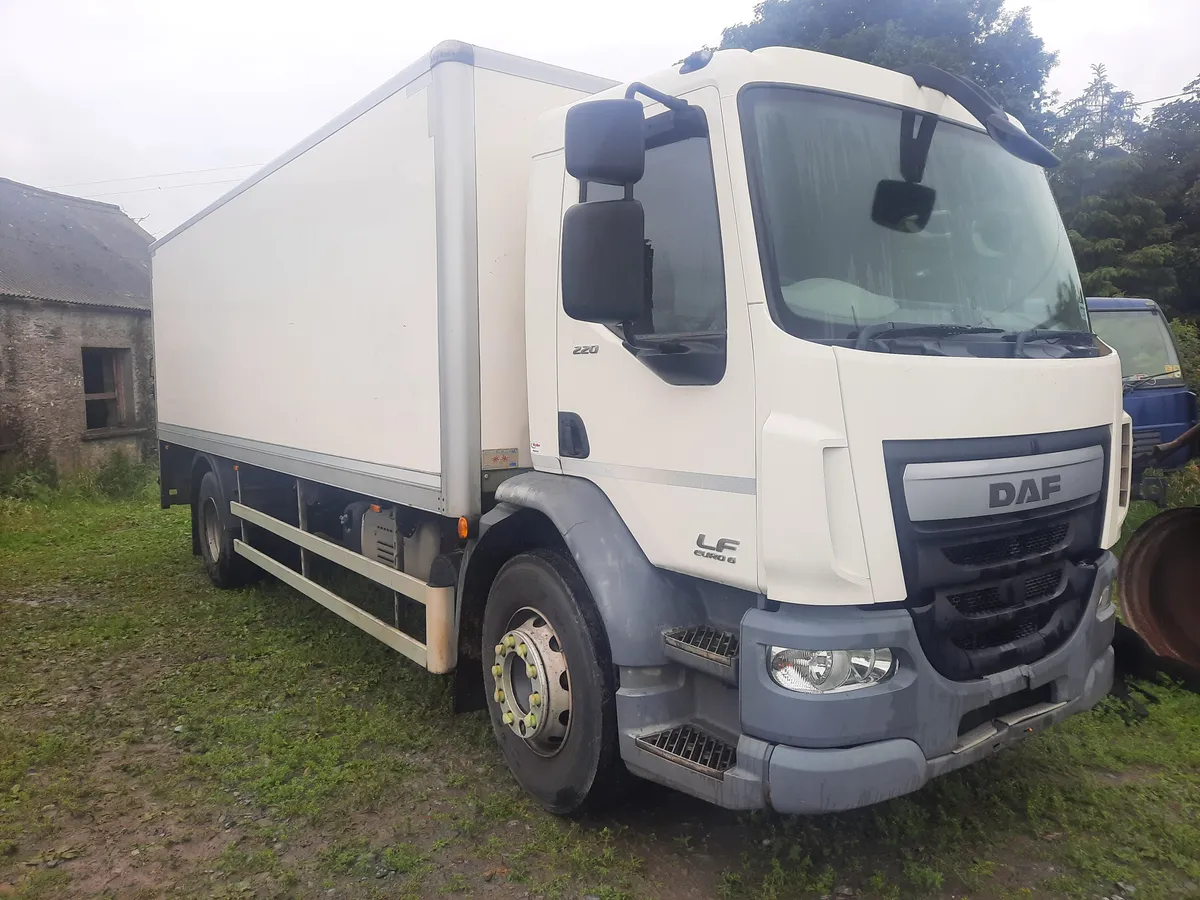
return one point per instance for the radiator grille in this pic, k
(1005, 586)
(978, 603)
(996, 637)
(1008, 549)
(1043, 585)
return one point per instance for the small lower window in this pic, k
(107, 387)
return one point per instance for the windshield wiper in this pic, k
(892, 330)
(1032, 335)
(1142, 382)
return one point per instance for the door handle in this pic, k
(572, 436)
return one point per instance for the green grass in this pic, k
(161, 738)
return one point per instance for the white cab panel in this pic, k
(677, 461)
(811, 543)
(903, 397)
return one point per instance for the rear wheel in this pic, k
(225, 568)
(550, 676)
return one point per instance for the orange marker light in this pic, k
(464, 527)
(374, 507)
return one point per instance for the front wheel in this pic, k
(547, 664)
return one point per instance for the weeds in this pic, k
(248, 743)
(119, 477)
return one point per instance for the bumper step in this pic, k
(693, 747)
(704, 648)
(705, 641)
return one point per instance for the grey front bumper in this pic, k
(811, 753)
(813, 781)
(861, 747)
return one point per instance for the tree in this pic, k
(1122, 240)
(976, 38)
(1106, 116)
(1170, 151)
(1123, 247)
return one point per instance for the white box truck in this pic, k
(741, 429)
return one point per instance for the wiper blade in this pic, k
(892, 330)
(1142, 382)
(1034, 335)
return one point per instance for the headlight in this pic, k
(825, 671)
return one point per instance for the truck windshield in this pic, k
(1141, 339)
(992, 254)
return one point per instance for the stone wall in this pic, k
(42, 411)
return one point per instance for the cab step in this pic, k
(691, 746)
(705, 648)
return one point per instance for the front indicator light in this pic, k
(826, 671)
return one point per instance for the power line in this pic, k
(56, 187)
(1160, 99)
(168, 187)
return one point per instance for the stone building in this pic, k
(76, 343)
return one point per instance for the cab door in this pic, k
(663, 422)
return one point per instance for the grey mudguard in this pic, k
(636, 600)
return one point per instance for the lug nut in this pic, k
(522, 649)
(498, 696)
(531, 720)
(509, 641)
(497, 670)
(535, 699)
(531, 670)
(507, 718)
(500, 651)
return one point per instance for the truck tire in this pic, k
(556, 729)
(225, 568)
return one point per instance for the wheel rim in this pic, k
(531, 686)
(210, 521)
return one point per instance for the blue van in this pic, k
(1156, 396)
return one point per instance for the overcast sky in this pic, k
(92, 90)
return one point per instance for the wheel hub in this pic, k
(211, 526)
(530, 683)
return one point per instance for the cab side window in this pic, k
(678, 194)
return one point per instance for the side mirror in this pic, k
(604, 261)
(1018, 142)
(606, 141)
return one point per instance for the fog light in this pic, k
(825, 671)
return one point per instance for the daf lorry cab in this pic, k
(741, 428)
(1157, 398)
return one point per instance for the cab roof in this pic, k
(731, 70)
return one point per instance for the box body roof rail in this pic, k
(446, 51)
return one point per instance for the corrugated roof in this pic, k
(57, 247)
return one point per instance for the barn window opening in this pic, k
(107, 378)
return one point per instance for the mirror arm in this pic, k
(980, 105)
(666, 100)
